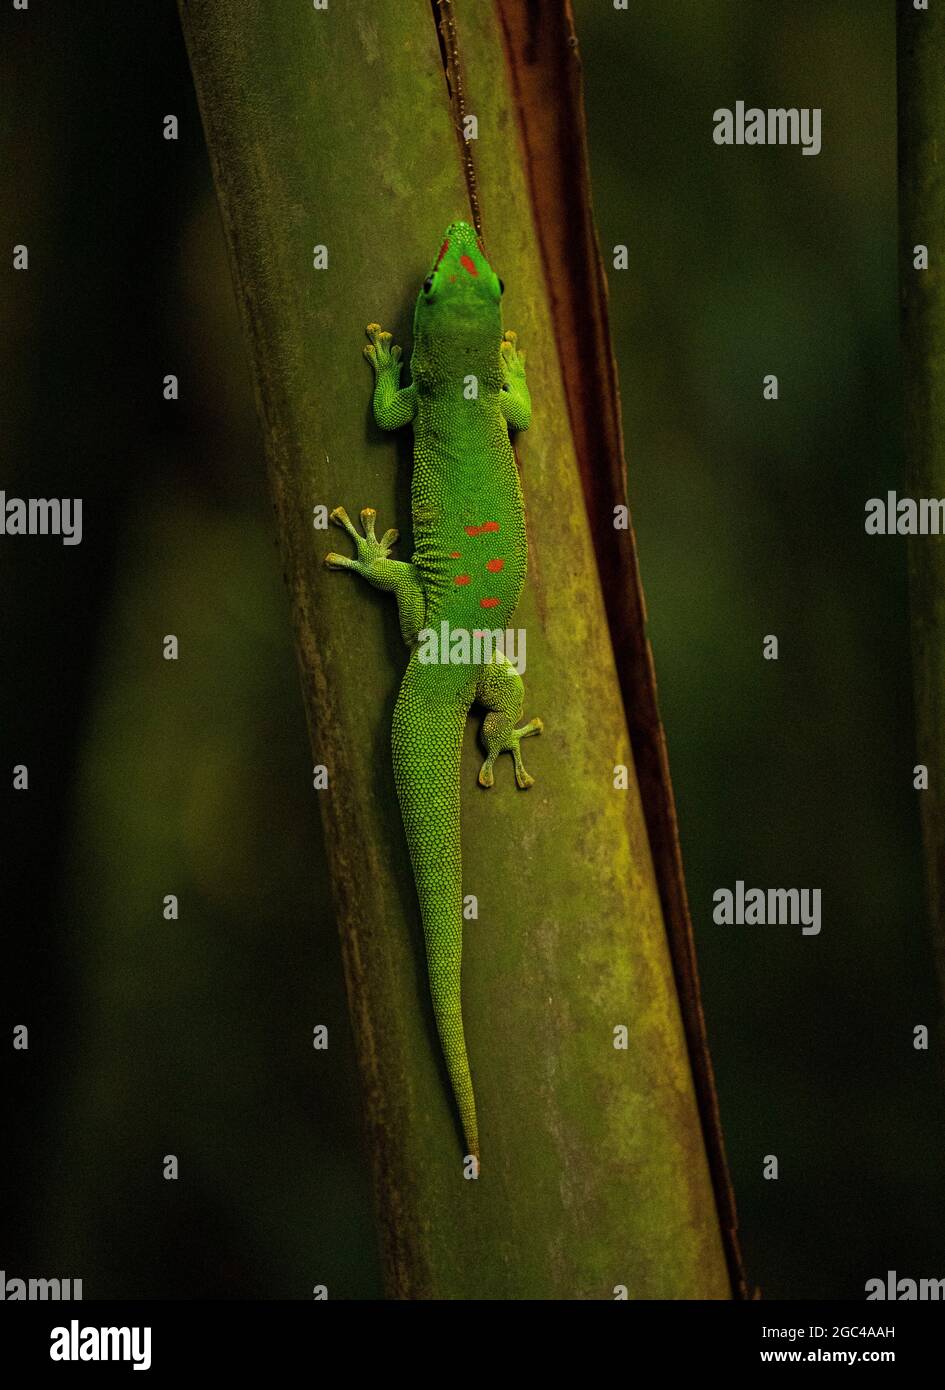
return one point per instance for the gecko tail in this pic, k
(449, 1023)
(426, 741)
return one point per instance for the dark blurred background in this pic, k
(148, 777)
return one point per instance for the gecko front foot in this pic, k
(382, 352)
(514, 396)
(512, 360)
(371, 551)
(393, 405)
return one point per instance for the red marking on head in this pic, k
(455, 555)
(472, 530)
(443, 250)
(468, 264)
(488, 603)
(493, 566)
(461, 579)
(489, 526)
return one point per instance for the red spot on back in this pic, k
(488, 603)
(443, 250)
(455, 555)
(472, 530)
(461, 579)
(468, 264)
(489, 526)
(493, 566)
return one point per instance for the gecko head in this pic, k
(461, 294)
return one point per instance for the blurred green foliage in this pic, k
(749, 518)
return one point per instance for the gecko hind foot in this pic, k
(369, 549)
(509, 744)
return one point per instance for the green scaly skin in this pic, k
(468, 569)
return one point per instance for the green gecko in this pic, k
(470, 555)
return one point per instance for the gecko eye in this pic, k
(428, 284)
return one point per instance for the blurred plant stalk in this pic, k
(921, 91)
(338, 128)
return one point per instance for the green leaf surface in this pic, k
(335, 128)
